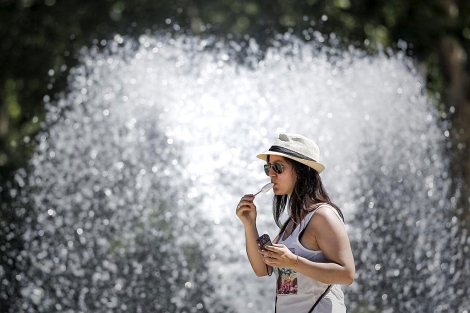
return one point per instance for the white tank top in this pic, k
(297, 293)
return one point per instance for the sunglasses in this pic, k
(278, 168)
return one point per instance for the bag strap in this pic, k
(314, 305)
(321, 297)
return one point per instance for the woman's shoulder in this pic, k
(322, 218)
(326, 213)
(317, 206)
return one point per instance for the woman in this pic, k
(312, 255)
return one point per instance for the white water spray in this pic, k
(135, 183)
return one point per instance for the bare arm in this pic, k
(246, 212)
(325, 232)
(331, 237)
(252, 251)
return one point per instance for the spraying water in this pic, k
(134, 185)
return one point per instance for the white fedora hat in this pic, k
(298, 148)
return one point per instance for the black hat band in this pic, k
(290, 152)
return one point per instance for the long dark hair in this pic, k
(307, 195)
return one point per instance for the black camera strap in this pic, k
(314, 305)
(321, 297)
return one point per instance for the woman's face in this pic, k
(283, 183)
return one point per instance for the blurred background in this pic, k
(44, 47)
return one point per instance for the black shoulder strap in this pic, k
(304, 226)
(319, 299)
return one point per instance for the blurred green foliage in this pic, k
(40, 40)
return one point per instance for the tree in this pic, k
(436, 32)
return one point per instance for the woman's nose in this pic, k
(272, 173)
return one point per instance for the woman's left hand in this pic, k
(278, 255)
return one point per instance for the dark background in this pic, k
(40, 41)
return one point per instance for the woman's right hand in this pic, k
(246, 210)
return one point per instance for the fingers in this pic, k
(247, 199)
(274, 252)
(276, 256)
(246, 202)
(268, 254)
(269, 258)
(275, 247)
(270, 248)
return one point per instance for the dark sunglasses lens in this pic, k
(266, 169)
(277, 168)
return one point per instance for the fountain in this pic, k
(134, 184)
